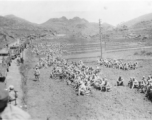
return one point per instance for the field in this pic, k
(53, 99)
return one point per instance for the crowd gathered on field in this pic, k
(84, 78)
(80, 76)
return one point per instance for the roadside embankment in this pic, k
(24, 68)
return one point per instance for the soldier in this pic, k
(37, 73)
(8, 111)
(135, 83)
(148, 88)
(82, 88)
(144, 79)
(149, 80)
(1, 74)
(12, 94)
(22, 60)
(120, 81)
(106, 86)
(18, 60)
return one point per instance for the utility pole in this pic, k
(100, 37)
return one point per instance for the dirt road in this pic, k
(14, 78)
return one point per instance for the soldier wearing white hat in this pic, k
(8, 111)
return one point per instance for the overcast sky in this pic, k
(110, 11)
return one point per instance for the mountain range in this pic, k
(75, 26)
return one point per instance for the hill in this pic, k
(14, 22)
(19, 20)
(76, 26)
(12, 27)
(141, 27)
(140, 22)
(21, 27)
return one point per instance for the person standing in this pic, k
(12, 95)
(37, 73)
(8, 111)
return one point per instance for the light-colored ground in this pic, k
(14, 78)
(53, 99)
(116, 54)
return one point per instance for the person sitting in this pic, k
(149, 77)
(144, 81)
(130, 82)
(82, 88)
(106, 86)
(149, 81)
(135, 83)
(120, 81)
(149, 87)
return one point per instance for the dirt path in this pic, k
(14, 78)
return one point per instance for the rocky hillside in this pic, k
(76, 26)
(13, 22)
(11, 25)
(19, 20)
(140, 27)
